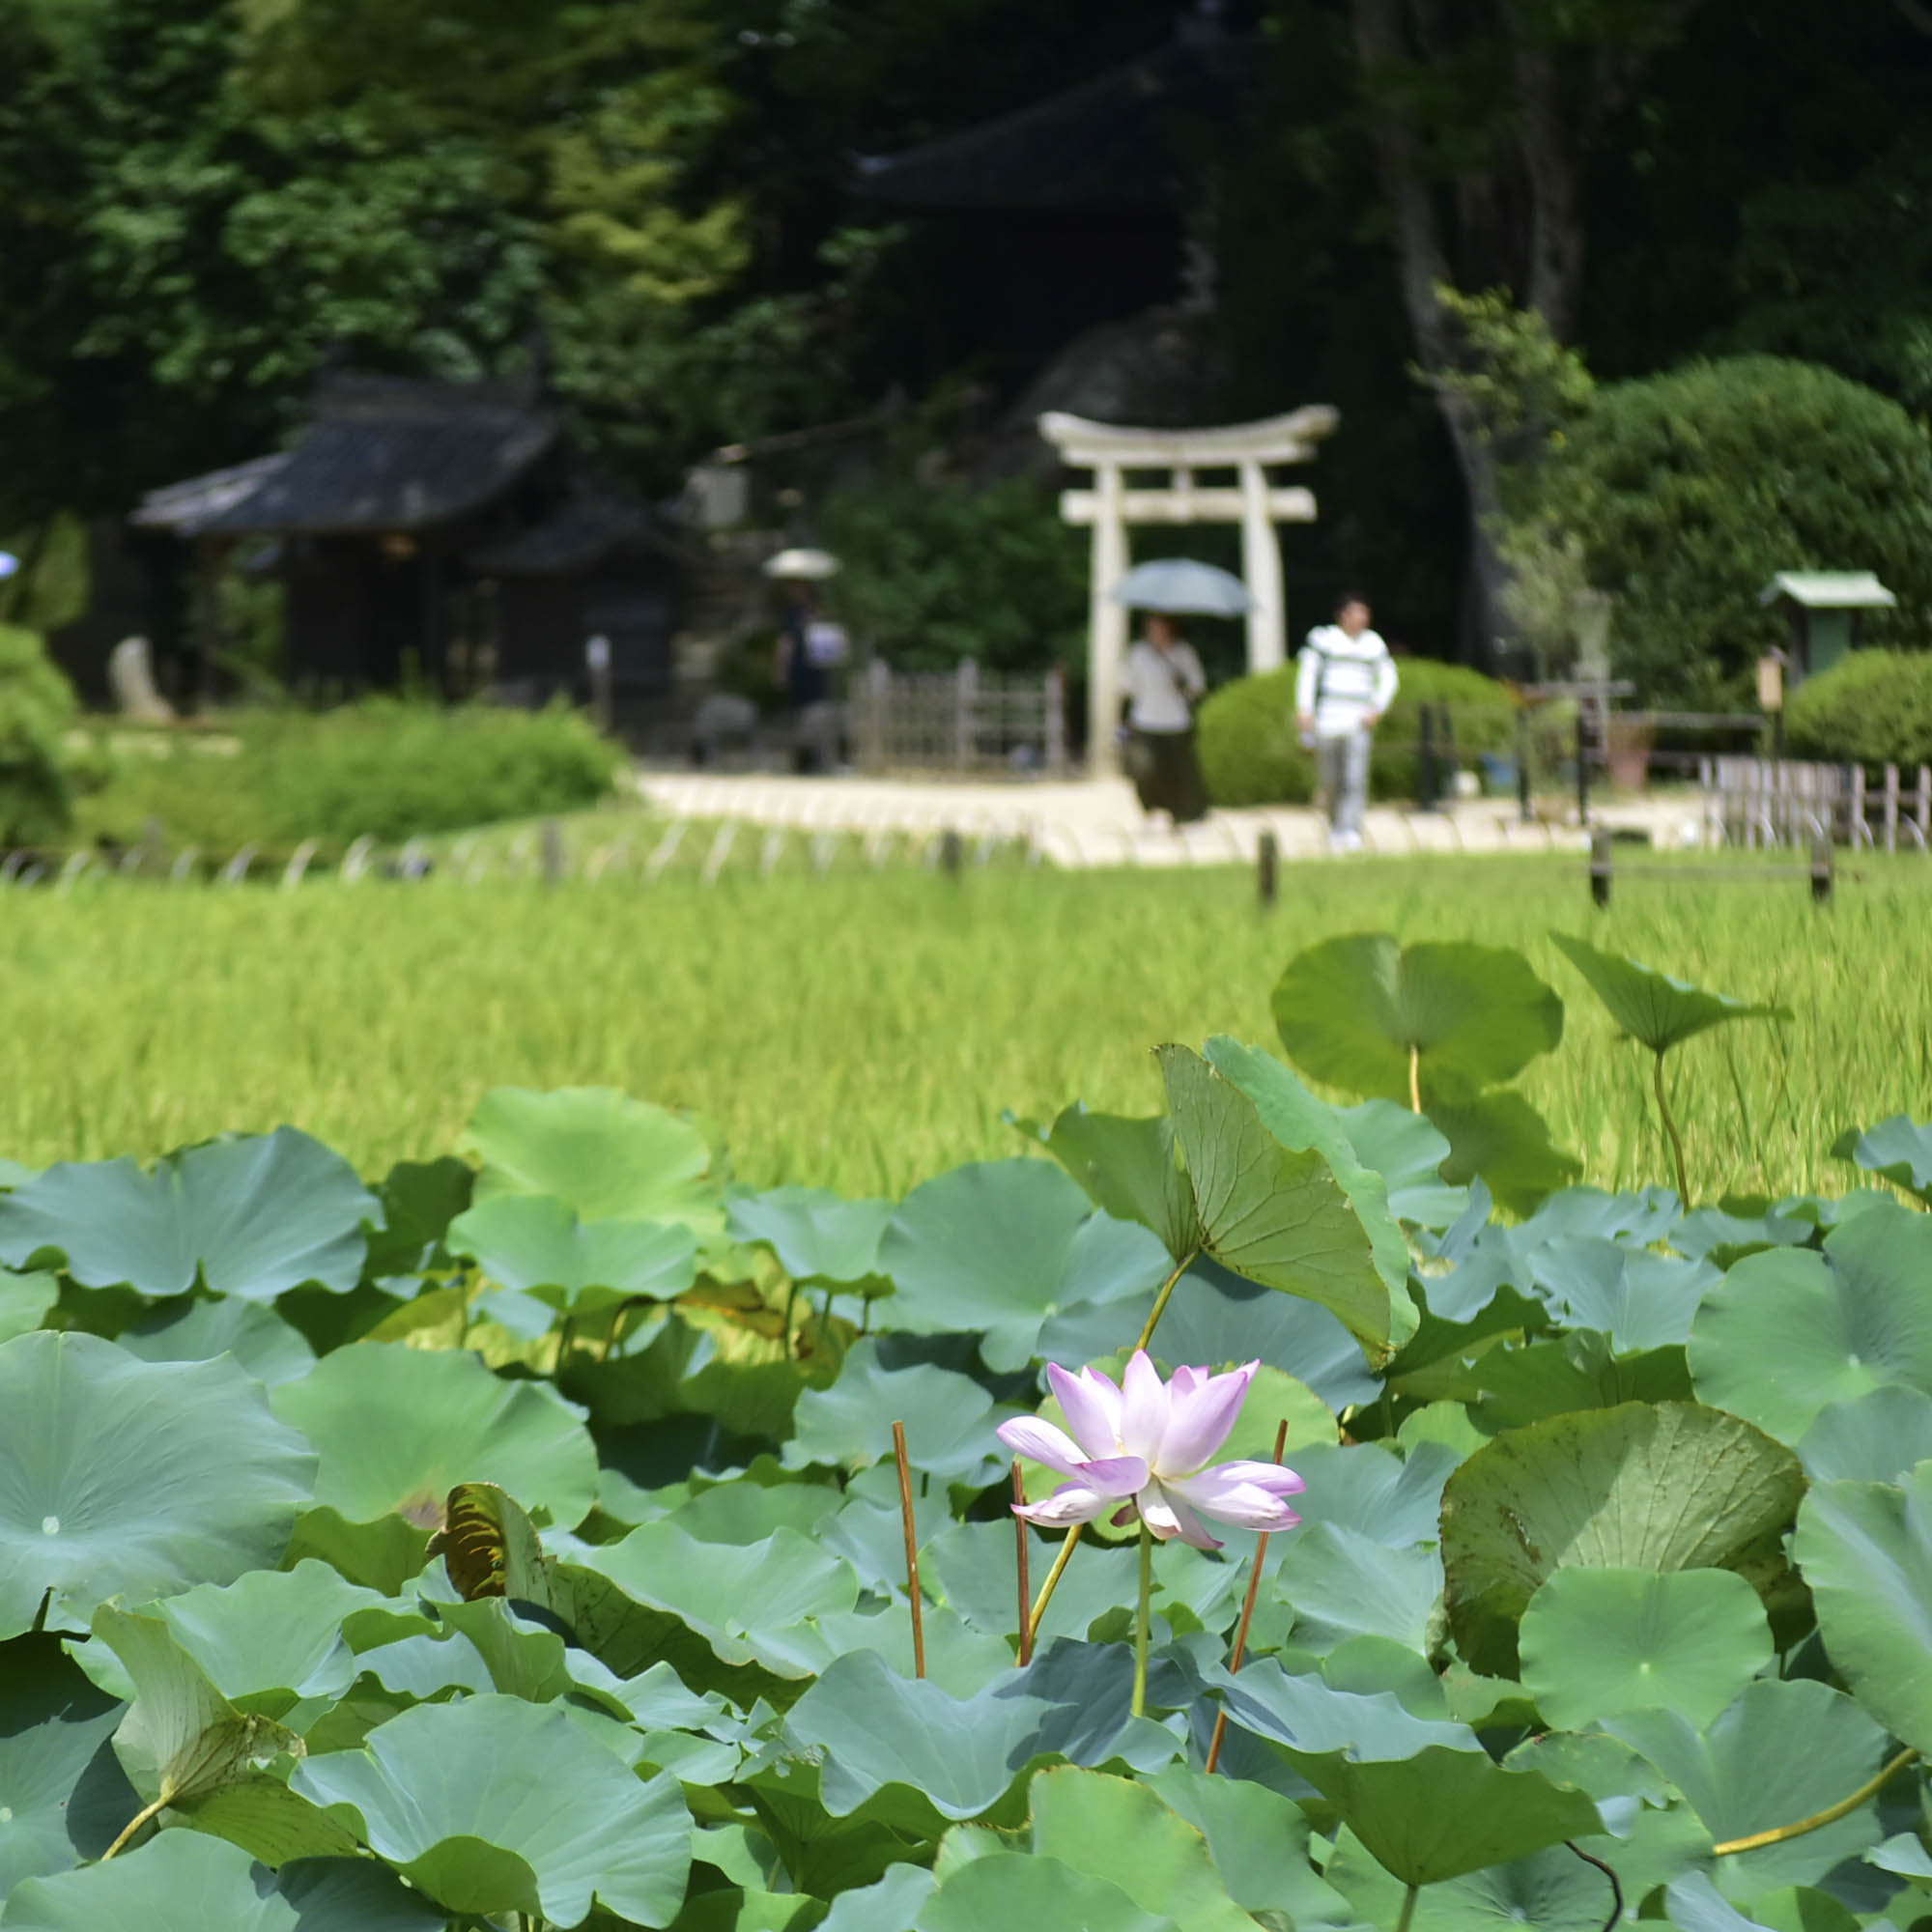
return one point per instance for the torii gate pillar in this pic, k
(1110, 450)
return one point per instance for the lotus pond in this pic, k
(557, 1532)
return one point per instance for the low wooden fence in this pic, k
(961, 720)
(1754, 801)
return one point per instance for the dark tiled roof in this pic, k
(391, 455)
(1108, 143)
(589, 525)
(185, 508)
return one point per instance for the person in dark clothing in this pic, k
(1164, 682)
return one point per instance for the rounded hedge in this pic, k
(1252, 755)
(1691, 489)
(37, 708)
(1874, 707)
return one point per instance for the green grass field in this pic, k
(864, 1031)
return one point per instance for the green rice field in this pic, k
(862, 1031)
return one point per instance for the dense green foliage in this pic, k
(37, 708)
(1251, 753)
(375, 1016)
(1873, 706)
(937, 572)
(383, 768)
(1691, 491)
(515, 1536)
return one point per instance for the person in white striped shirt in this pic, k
(1344, 679)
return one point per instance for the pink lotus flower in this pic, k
(1146, 1445)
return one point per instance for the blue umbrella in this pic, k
(1179, 584)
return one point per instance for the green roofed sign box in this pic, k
(1826, 609)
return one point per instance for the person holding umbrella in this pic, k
(1164, 681)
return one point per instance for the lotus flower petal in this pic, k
(1143, 1408)
(1092, 1407)
(1039, 1442)
(1200, 1415)
(1169, 1515)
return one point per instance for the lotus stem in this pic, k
(1053, 1575)
(1818, 1820)
(1141, 1620)
(1240, 1649)
(1415, 1080)
(1408, 1913)
(1670, 1128)
(1616, 1883)
(1160, 1300)
(791, 1296)
(912, 1549)
(1026, 1586)
(134, 1824)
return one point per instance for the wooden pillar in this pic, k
(1107, 623)
(1260, 566)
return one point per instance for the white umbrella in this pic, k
(808, 566)
(1179, 583)
(9, 563)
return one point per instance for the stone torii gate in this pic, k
(1110, 450)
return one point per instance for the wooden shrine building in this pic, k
(445, 535)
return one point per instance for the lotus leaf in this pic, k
(119, 1477)
(1790, 1331)
(1898, 1150)
(1357, 1011)
(1662, 1486)
(1651, 1008)
(270, 1348)
(816, 1236)
(534, 1244)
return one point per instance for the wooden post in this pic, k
(153, 850)
(1822, 881)
(1600, 868)
(1891, 808)
(1523, 743)
(878, 697)
(951, 853)
(1267, 869)
(1425, 770)
(965, 713)
(1582, 763)
(553, 852)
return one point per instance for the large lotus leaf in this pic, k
(1000, 1247)
(185, 1746)
(1874, 1439)
(1408, 1151)
(63, 1796)
(1552, 1890)
(670, 1365)
(398, 1428)
(1597, 1643)
(1898, 1150)
(1352, 1011)
(534, 1244)
(1279, 1214)
(1362, 1487)
(1501, 1140)
(755, 1603)
(420, 1199)
(870, 1731)
(1342, 1583)
(609, 1158)
(890, 1905)
(270, 1348)
(973, 1568)
(815, 1235)
(1003, 1890)
(494, 1805)
(1259, 1842)
(252, 1216)
(273, 1638)
(1866, 1553)
(1784, 1750)
(1115, 1829)
(1693, 1903)
(948, 1420)
(24, 1301)
(119, 1477)
(1640, 1300)
(748, 1511)
(183, 1882)
(1664, 1485)
(1215, 1316)
(1651, 1008)
(1789, 1331)
(1129, 1168)
(1307, 1716)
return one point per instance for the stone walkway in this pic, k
(1098, 822)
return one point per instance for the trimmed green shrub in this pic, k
(37, 709)
(1252, 755)
(391, 768)
(1691, 489)
(1872, 706)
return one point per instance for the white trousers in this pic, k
(1343, 764)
